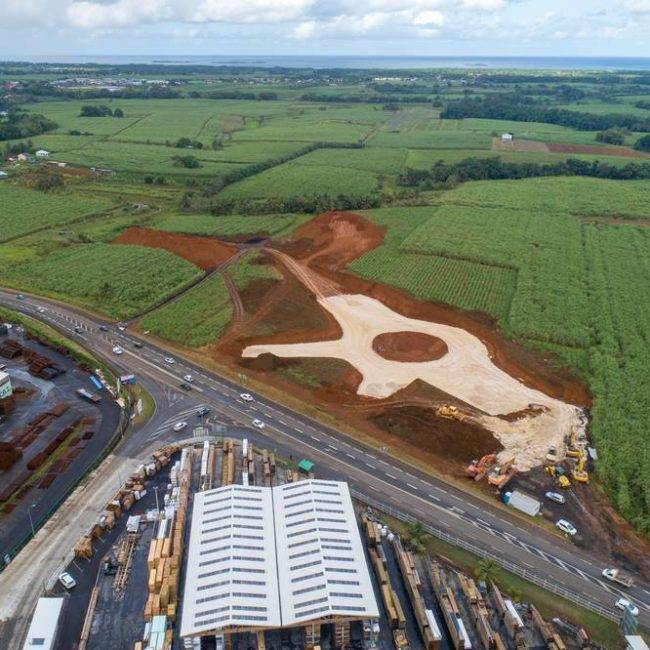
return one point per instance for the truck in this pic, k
(615, 575)
(522, 502)
(88, 396)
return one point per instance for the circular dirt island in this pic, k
(409, 346)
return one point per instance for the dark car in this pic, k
(186, 386)
(103, 328)
(204, 410)
(137, 344)
(78, 329)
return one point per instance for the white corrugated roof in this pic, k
(44, 625)
(274, 557)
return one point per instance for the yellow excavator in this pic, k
(557, 472)
(450, 412)
(580, 474)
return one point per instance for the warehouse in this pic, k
(271, 557)
(44, 627)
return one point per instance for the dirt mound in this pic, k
(207, 253)
(409, 346)
(594, 149)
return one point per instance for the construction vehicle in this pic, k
(551, 456)
(477, 469)
(110, 567)
(501, 474)
(557, 472)
(401, 642)
(580, 474)
(615, 575)
(450, 412)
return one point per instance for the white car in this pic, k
(247, 397)
(67, 580)
(624, 603)
(170, 360)
(258, 423)
(117, 350)
(188, 378)
(41, 310)
(566, 527)
(179, 426)
(555, 496)
(121, 326)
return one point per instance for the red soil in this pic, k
(409, 346)
(207, 253)
(594, 149)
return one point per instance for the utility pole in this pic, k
(155, 489)
(31, 521)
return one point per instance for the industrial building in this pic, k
(264, 558)
(44, 628)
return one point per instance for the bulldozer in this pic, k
(579, 473)
(477, 469)
(450, 412)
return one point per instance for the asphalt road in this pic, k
(369, 471)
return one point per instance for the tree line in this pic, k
(447, 175)
(364, 99)
(25, 125)
(525, 109)
(91, 110)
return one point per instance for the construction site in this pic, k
(148, 583)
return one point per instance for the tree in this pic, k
(611, 136)
(485, 570)
(643, 144)
(118, 112)
(416, 535)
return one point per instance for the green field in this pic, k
(25, 210)
(118, 280)
(524, 252)
(231, 225)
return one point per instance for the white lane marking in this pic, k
(434, 497)
(350, 456)
(333, 447)
(283, 422)
(298, 429)
(315, 438)
(391, 476)
(371, 466)
(460, 511)
(412, 486)
(485, 523)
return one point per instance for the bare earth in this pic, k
(466, 372)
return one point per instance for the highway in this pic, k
(369, 471)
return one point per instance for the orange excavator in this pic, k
(501, 474)
(477, 469)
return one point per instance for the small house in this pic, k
(506, 137)
(41, 153)
(3, 175)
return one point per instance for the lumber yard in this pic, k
(216, 543)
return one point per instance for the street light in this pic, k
(155, 489)
(31, 521)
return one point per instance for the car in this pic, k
(41, 310)
(179, 426)
(555, 496)
(3, 366)
(624, 603)
(121, 326)
(247, 397)
(203, 410)
(103, 328)
(78, 329)
(186, 386)
(170, 360)
(67, 580)
(258, 423)
(117, 350)
(20, 297)
(137, 344)
(566, 527)
(188, 378)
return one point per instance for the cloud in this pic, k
(637, 6)
(305, 30)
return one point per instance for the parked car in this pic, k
(179, 426)
(121, 326)
(117, 350)
(188, 378)
(41, 310)
(186, 386)
(556, 496)
(566, 527)
(78, 329)
(247, 397)
(258, 423)
(170, 360)
(67, 580)
(103, 328)
(624, 603)
(203, 411)
(137, 344)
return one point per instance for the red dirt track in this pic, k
(596, 150)
(206, 252)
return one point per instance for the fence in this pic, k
(517, 569)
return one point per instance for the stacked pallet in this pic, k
(429, 630)
(84, 548)
(552, 638)
(451, 613)
(248, 463)
(266, 468)
(478, 609)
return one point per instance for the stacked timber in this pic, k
(266, 467)
(451, 613)
(427, 625)
(393, 607)
(480, 615)
(84, 548)
(552, 638)
(228, 463)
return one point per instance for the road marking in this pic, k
(412, 486)
(434, 497)
(460, 511)
(283, 422)
(371, 466)
(350, 456)
(333, 447)
(315, 438)
(391, 476)
(299, 430)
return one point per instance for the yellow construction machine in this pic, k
(580, 474)
(450, 412)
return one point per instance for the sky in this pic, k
(320, 27)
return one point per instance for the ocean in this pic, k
(369, 62)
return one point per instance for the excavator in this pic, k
(579, 473)
(477, 469)
(558, 473)
(501, 474)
